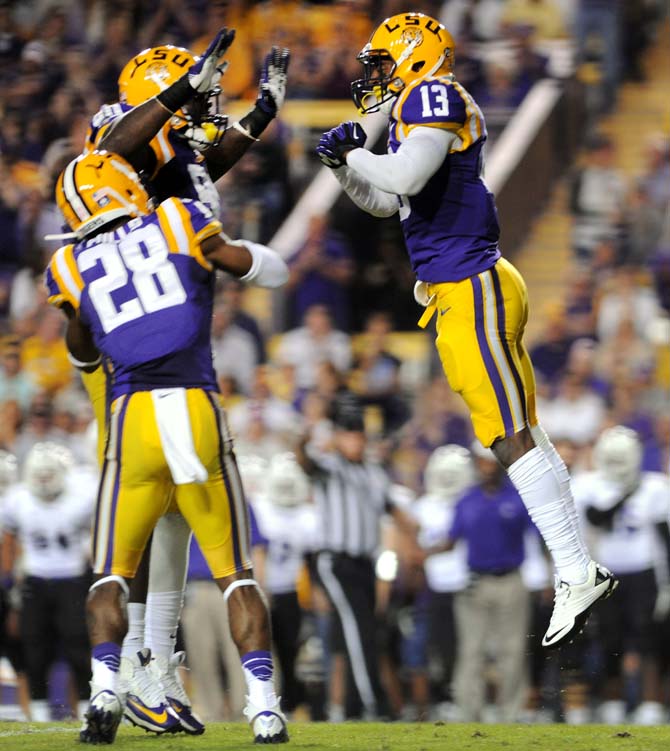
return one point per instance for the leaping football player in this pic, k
(432, 178)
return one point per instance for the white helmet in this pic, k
(287, 485)
(449, 472)
(46, 468)
(617, 455)
(9, 473)
(253, 469)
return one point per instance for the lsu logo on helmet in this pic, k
(402, 49)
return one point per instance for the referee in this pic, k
(351, 495)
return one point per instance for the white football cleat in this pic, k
(268, 725)
(167, 672)
(146, 705)
(102, 717)
(573, 603)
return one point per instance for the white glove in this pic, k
(268, 269)
(272, 85)
(205, 73)
(421, 294)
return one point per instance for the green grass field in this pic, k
(362, 737)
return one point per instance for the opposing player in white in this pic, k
(625, 512)
(289, 524)
(448, 473)
(48, 519)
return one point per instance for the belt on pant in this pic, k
(496, 572)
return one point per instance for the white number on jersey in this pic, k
(154, 276)
(439, 107)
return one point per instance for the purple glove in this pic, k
(335, 142)
(272, 84)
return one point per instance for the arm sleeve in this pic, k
(406, 172)
(366, 196)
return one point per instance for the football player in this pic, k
(48, 519)
(431, 177)
(449, 471)
(626, 515)
(183, 159)
(288, 522)
(137, 288)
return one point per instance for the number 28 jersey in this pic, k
(451, 226)
(146, 292)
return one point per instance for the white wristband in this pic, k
(268, 269)
(80, 364)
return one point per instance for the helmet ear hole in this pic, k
(417, 66)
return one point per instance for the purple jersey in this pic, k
(451, 226)
(180, 170)
(146, 292)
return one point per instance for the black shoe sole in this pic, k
(280, 738)
(101, 728)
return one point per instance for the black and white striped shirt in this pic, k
(351, 498)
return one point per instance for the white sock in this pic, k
(103, 677)
(535, 479)
(39, 710)
(82, 706)
(261, 693)
(162, 619)
(134, 640)
(542, 440)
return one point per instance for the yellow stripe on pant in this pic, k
(136, 488)
(480, 325)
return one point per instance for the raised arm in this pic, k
(132, 132)
(244, 133)
(250, 262)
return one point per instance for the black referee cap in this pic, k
(347, 412)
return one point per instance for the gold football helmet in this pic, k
(402, 49)
(152, 71)
(97, 188)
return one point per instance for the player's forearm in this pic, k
(228, 153)
(407, 171)
(377, 202)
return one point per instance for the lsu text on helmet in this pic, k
(403, 49)
(152, 71)
(449, 472)
(97, 188)
(46, 468)
(287, 485)
(617, 455)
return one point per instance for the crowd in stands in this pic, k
(600, 359)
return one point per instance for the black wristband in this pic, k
(256, 121)
(177, 95)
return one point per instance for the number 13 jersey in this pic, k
(451, 226)
(146, 292)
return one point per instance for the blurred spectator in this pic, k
(234, 348)
(233, 298)
(544, 17)
(494, 609)
(656, 179)
(277, 415)
(170, 20)
(550, 354)
(314, 342)
(576, 413)
(15, 384)
(38, 427)
(44, 355)
(320, 273)
(596, 29)
(375, 375)
(597, 197)
(626, 299)
(644, 225)
(478, 21)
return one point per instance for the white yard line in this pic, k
(34, 731)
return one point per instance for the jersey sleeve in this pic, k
(62, 278)
(186, 224)
(434, 103)
(101, 122)
(8, 520)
